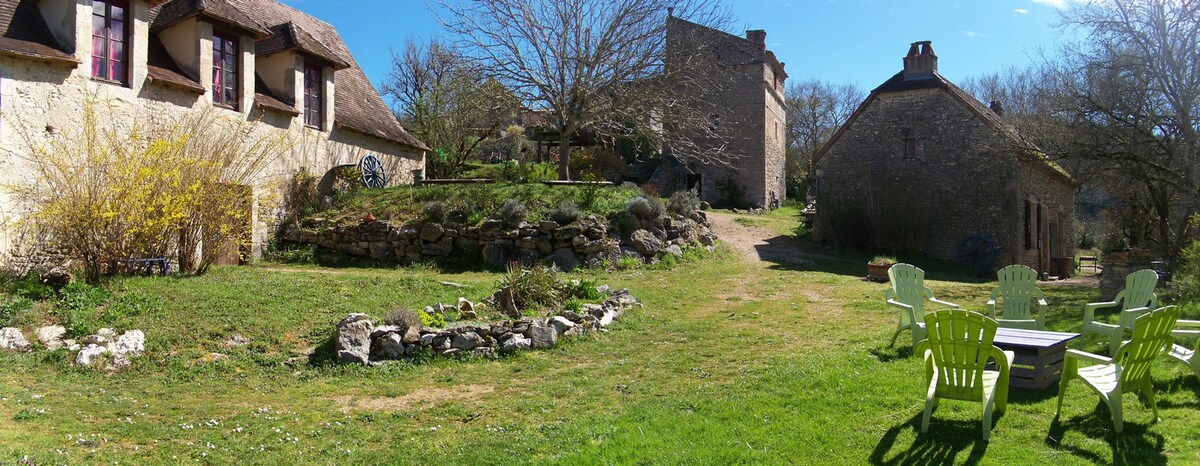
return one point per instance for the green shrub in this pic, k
(431, 320)
(533, 288)
(1185, 285)
(512, 213)
(435, 211)
(76, 310)
(645, 207)
(11, 307)
(565, 213)
(684, 202)
(404, 318)
(582, 289)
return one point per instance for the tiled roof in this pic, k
(174, 11)
(289, 36)
(24, 33)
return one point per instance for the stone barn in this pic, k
(286, 72)
(744, 82)
(923, 167)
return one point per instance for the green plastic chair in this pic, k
(1129, 369)
(1016, 295)
(908, 293)
(1181, 353)
(956, 354)
(1134, 300)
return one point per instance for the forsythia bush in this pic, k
(177, 188)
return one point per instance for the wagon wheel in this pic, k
(372, 172)
(977, 253)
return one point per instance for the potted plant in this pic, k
(877, 268)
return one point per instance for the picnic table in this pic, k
(1039, 355)
(143, 265)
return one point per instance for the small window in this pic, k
(225, 71)
(313, 108)
(110, 33)
(910, 148)
(1028, 225)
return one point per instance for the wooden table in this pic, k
(1039, 355)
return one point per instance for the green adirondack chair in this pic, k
(1182, 353)
(1135, 299)
(908, 294)
(1129, 369)
(1016, 295)
(956, 354)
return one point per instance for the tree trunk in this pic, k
(564, 158)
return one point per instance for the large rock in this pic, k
(388, 347)
(353, 339)
(467, 341)
(515, 342)
(541, 335)
(674, 250)
(645, 242)
(560, 324)
(132, 343)
(11, 338)
(564, 259)
(89, 354)
(51, 336)
(431, 232)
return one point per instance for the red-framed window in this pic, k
(313, 107)
(110, 35)
(225, 70)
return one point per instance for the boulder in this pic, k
(645, 242)
(674, 250)
(411, 336)
(467, 341)
(380, 331)
(89, 354)
(547, 226)
(440, 343)
(564, 260)
(427, 339)
(515, 342)
(388, 347)
(11, 338)
(431, 232)
(560, 324)
(51, 336)
(541, 335)
(353, 339)
(131, 343)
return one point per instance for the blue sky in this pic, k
(856, 41)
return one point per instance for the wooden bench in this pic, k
(1039, 355)
(143, 265)
(1093, 260)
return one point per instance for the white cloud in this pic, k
(973, 34)
(1060, 4)
(1021, 11)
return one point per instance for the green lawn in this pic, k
(729, 362)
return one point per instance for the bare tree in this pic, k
(447, 103)
(1128, 107)
(590, 65)
(815, 110)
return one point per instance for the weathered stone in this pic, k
(427, 339)
(568, 231)
(382, 330)
(131, 343)
(571, 316)
(645, 242)
(560, 324)
(411, 336)
(70, 345)
(673, 250)
(431, 232)
(387, 347)
(484, 351)
(515, 342)
(355, 317)
(11, 338)
(564, 260)
(94, 339)
(541, 335)
(592, 247)
(108, 333)
(409, 232)
(235, 340)
(212, 358)
(440, 343)
(353, 341)
(547, 226)
(467, 341)
(51, 336)
(89, 354)
(578, 241)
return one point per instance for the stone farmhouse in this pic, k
(285, 71)
(750, 101)
(923, 167)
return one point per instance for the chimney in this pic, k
(997, 107)
(671, 11)
(758, 37)
(921, 62)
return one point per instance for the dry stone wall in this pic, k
(590, 242)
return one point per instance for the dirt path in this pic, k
(758, 244)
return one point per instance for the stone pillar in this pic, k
(1119, 264)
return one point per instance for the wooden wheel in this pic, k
(976, 252)
(373, 175)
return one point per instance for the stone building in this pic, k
(743, 82)
(258, 60)
(923, 167)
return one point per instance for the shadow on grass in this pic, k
(943, 443)
(1134, 445)
(886, 354)
(795, 254)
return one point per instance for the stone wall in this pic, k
(589, 242)
(1117, 265)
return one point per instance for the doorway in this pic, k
(694, 183)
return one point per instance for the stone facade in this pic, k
(744, 83)
(921, 166)
(171, 73)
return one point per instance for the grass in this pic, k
(729, 362)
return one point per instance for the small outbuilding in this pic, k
(923, 167)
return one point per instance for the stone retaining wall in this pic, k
(1116, 265)
(590, 241)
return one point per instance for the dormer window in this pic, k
(225, 70)
(313, 106)
(110, 32)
